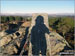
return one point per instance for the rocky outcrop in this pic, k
(58, 43)
(11, 49)
(10, 43)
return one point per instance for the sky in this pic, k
(51, 7)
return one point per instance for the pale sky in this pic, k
(51, 7)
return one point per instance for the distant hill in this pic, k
(30, 14)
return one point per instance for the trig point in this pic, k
(39, 40)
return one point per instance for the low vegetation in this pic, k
(5, 19)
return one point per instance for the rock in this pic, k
(26, 24)
(11, 49)
(57, 43)
(14, 36)
(5, 40)
(18, 43)
(3, 33)
(58, 47)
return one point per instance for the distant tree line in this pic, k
(5, 19)
(64, 26)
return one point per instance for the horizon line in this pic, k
(37, 12)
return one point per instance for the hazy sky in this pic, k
(50, 7)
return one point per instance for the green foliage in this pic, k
(18, 18)
(62, 24)
(52, 20)
(4, 19)
(29, 19)
(11, 18)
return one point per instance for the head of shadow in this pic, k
(39, 20)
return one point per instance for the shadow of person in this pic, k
(23, 42)
(38, 38)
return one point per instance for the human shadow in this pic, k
(23, 42)
(38, 38)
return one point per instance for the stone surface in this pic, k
(14, 36)
(9, 43)
(2, 33)
(11, 49)
(57, 43)
(26, 24)
(18, 43)
(5, 40)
